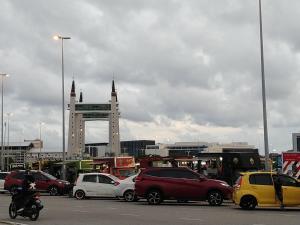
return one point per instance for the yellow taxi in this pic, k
(257, 189)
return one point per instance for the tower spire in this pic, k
(113, 90)
(73, 94)
(80, 97)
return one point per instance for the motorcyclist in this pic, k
(28, 186)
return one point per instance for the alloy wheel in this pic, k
(215, 198)
(154, 198)
(129, 196)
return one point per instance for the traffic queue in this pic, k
(167, 179)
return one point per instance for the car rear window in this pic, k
(90, 178)
(19, 176)
(260, 179)
(154, 173)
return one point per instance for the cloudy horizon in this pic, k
(184, 70)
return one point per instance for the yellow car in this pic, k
(257, 189)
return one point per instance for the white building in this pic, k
(194, 148)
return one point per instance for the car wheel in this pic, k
(79, 195)
(248, 202)
(129, 196)
(53, 190)
(215, 198)
(154, 197)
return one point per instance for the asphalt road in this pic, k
(66, 211)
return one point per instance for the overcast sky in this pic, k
(184, 70)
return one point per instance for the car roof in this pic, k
(258, 172)
(105, 174)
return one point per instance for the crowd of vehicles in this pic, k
(162, 179)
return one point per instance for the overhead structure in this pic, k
(80, 112)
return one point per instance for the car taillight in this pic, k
(138, 179)
(116, 183)
(238, 183)
(76, 181)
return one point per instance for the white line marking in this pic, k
(112, 208)
(80, 211)
(191, 219)
(128, 214)
(11, 223)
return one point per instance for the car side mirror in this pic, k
(201, 179)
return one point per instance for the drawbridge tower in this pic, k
(80, 112)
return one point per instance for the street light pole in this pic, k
(40, 164)
(267, 158)
(2, 147)
(8, 116)
(57, 37)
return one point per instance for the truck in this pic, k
(119, 166)
(291, 164)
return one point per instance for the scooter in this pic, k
(32, 208)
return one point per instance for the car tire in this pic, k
(129, 196)
(79, 195)
(248, 202)
(154, 197)
(53, 190)
(215, 198)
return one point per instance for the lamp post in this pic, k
(2, 147)
(266, 142)
(8, 115)
(41, 143)
(58, 37)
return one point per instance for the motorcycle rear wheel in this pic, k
(35, 212)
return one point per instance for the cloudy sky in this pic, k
(184, 70)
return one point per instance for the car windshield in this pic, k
(49, 176)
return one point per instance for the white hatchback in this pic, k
(95, 185)
(2, 180)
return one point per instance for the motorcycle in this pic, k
(31, 209)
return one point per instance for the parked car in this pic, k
(182, 184)
(2, 180)
(126, 189)
(95, 185)
(257, 189)
(44, 182)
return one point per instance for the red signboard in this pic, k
(291, 156)
(124, 162)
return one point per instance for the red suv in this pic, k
(182, 184)
(43, 181)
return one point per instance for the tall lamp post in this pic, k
(267, 157)
(8, 116)
(58, 37)
(41, 143)
(3, 75)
